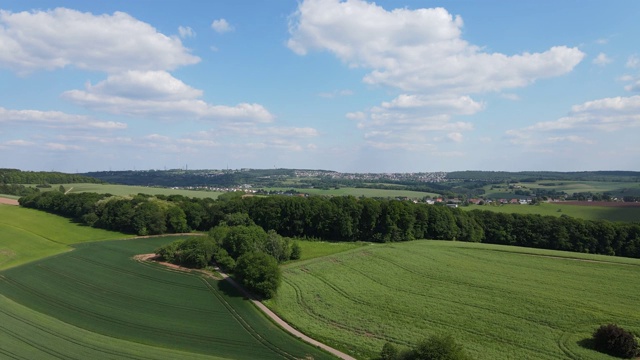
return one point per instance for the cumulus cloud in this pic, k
(417, 50)
(592, 117)
(422, 53)
(633, 62)
(62, 147)
(56, 120)
(159, 94)
(221, 26)
(186, 32)
(602, 59)
(63, 37)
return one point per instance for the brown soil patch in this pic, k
(7, 201)
(599, 203)
(154, 258)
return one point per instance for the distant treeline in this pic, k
(14, 176)
(342, 219)
(17, 189)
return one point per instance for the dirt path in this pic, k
(8, 201)
(283, 324)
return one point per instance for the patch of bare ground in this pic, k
(7, 201)
(156, 259)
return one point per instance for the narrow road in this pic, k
(283, 323)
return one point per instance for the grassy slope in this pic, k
(27, 235)
(557, 209)
(124, 190)
(98, 287)
(500, 304)
(30, 334)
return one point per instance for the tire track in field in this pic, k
(71, 339)
(135, 274)
(463, 329)
(47, 298)
(248, 328)
(123, 295)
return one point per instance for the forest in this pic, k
(341, 219)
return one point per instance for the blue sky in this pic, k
(354, 86)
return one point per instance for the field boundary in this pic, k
(266, 311)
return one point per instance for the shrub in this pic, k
(259, 272)
(614, 340)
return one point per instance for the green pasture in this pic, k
(27, 235)
(499, 302)
(628, 214)
(28, 334)
(314, 249)
(125, 190)
(100, 289)
(358, 192)
(569, 187)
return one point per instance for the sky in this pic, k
(350, 86)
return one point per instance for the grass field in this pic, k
(27, 235)
(314, 249)
(558, 209)
(124, 190)
(568, 187)
(500, 302)
(358, 192)
(100, 289)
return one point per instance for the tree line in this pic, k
(14, 176)
(342, 219)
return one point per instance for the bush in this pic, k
(259, 272)
(614, 340)
(433, 348)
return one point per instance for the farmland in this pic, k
(358, 192)
(99, 289)
(611, 213)
(27, 235)
(500, 302)
(125, 190)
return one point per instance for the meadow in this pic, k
(358, 192)
(98, 289)
(611, 213)
(125, 190)
(27, 235)
(499, 302)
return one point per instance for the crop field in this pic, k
(610, 213)
(358, 192)
(499, 302)
(125, 190)
(98, 288)
(569, 187)
(27, 234)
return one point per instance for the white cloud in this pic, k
(56, 119)
(158, 94)
(455, 137)
(63, 37)
(417, 50)
(221, 26)
(428, 104)
(18, 142)
(62, 147)
(593, 117)
(336, 93)
(186, 32)
(602, 59)
(635, 86)
(633, 62)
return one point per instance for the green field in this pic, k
(27, 235)
(499, 302)
(628, 214)
(125, 190)
(569, 187)
(358, 192)
(314, 249)
(99, 288)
